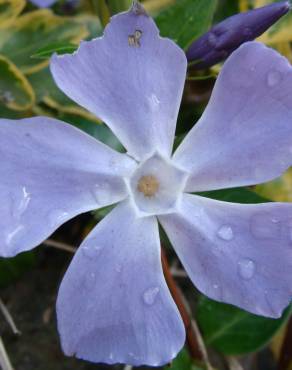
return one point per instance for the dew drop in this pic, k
(150, 295)
(90, 251)
(225, 233)
(273, 78)
(246, 268)
(154, 102)
(275, 220)
(57, 217)
(265, 226)
(21, 202)
(102, 193)
(13, 235)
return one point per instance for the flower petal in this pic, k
(235, 253)
(114, 305)
(43, 3)
(131, 78)
(50, 172)
(245, 135)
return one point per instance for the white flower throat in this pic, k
(156, 185)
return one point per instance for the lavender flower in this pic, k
(49, 3)
(43, 3)
(114, 305)
(226, 36)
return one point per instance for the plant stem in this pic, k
(5, 363)
(285, 359)
(100, 8)
(8, 318)
(192, 340)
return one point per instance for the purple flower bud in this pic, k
(226, 36)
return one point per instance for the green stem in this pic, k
(101, 9)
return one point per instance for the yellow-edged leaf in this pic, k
(16, 92)
(92, 24)
(47, 92)
(154, 6)
(20, 40)
(279, 190)
(9, 10)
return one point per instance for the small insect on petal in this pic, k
(134, 40)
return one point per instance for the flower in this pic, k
(43, 3)
(49, 3)
(113, 305)
(228, 35)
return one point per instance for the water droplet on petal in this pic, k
(265, 226)
(91, 251)
(273, 78)
(275, 220)
(102, 193)
(57, 217)
(150, 295)
(225, 233)
(20, 202)
(154, 102)
(246, 268)
(13, 235)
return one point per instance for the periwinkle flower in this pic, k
(43, 3)
(49, 3)
(226, 36)
(114, 305)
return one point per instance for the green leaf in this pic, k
(92, 24)
(279, 189)
(117, 6)
(233, 331)
(57, 47)
(186, 20)
(101, 8)
(181, 362)
(9, 10)
(32, 31)
(99, 131)
(236, 195)
(47, 92)
(225, 9)
(12, 268)
(15, 91)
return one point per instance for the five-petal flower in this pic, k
(113, 304)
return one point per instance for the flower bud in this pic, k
(228, 35)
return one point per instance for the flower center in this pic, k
(148, 185)
(156, 186)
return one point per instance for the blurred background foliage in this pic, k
(28, 37)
